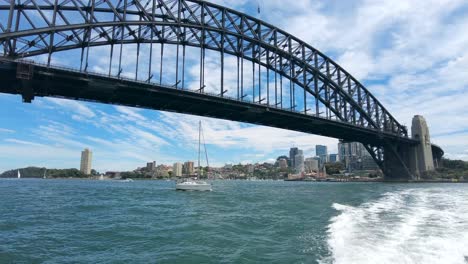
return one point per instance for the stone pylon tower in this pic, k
(422, 158)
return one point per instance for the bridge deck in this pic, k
(62, 83)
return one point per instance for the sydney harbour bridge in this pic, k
(196, 57)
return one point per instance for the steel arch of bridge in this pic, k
(30, 28)
(36, 27)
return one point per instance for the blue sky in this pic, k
(412, 55)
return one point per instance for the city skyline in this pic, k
(189, 168)
(124, 138)
(52, 131)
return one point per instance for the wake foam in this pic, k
(411, 226)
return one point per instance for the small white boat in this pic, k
(196, 185)
(126, 180)
(191, 185)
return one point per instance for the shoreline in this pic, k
(319, 181)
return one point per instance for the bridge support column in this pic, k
(396, 163)
(27, 91)
(421, 157)
(24, 72)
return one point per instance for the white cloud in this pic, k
(359, 63)
(19, 153)
(227, 134)
(22, 142)
(74, 106)
(130, 113)
(4, 130)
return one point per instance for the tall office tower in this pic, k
(86, 161)
(177, 169)
(151, 166)
(188, 168)
(342, 151)
(292, 156)
(299, 162)
(321, 152)
(355, 156)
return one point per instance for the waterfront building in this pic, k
(86, 161)
(188, 168)
(299, 162)
(322, 152)
(333, 158)
(292, 155)
(311, 165)
(162, 171)
(151, 166)
(250, 168)
(283, 163)
(177, 169)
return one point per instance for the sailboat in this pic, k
(191, 184)
(19, 175)
(44, 176)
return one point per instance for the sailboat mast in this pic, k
(206, 152)
(199, 139)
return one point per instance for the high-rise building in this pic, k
(283, 163)
(292, 156)
(311, 165)
(188, 168)
(355, 156)
(341, 151)
(151, 166)
(322, 152)
(333, 158)
(299, 162)
(86, 161)
(177, 169)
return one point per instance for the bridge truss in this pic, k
(255, 62)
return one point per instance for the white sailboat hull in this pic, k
(193, 186)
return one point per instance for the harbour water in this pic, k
(78, 221)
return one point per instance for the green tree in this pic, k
(334, 168)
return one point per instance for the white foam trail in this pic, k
(411, 226)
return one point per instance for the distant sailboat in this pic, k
(44, 176)
(196, 185)
(19, 175)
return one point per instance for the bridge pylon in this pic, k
(409, 162)
(422, 156)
